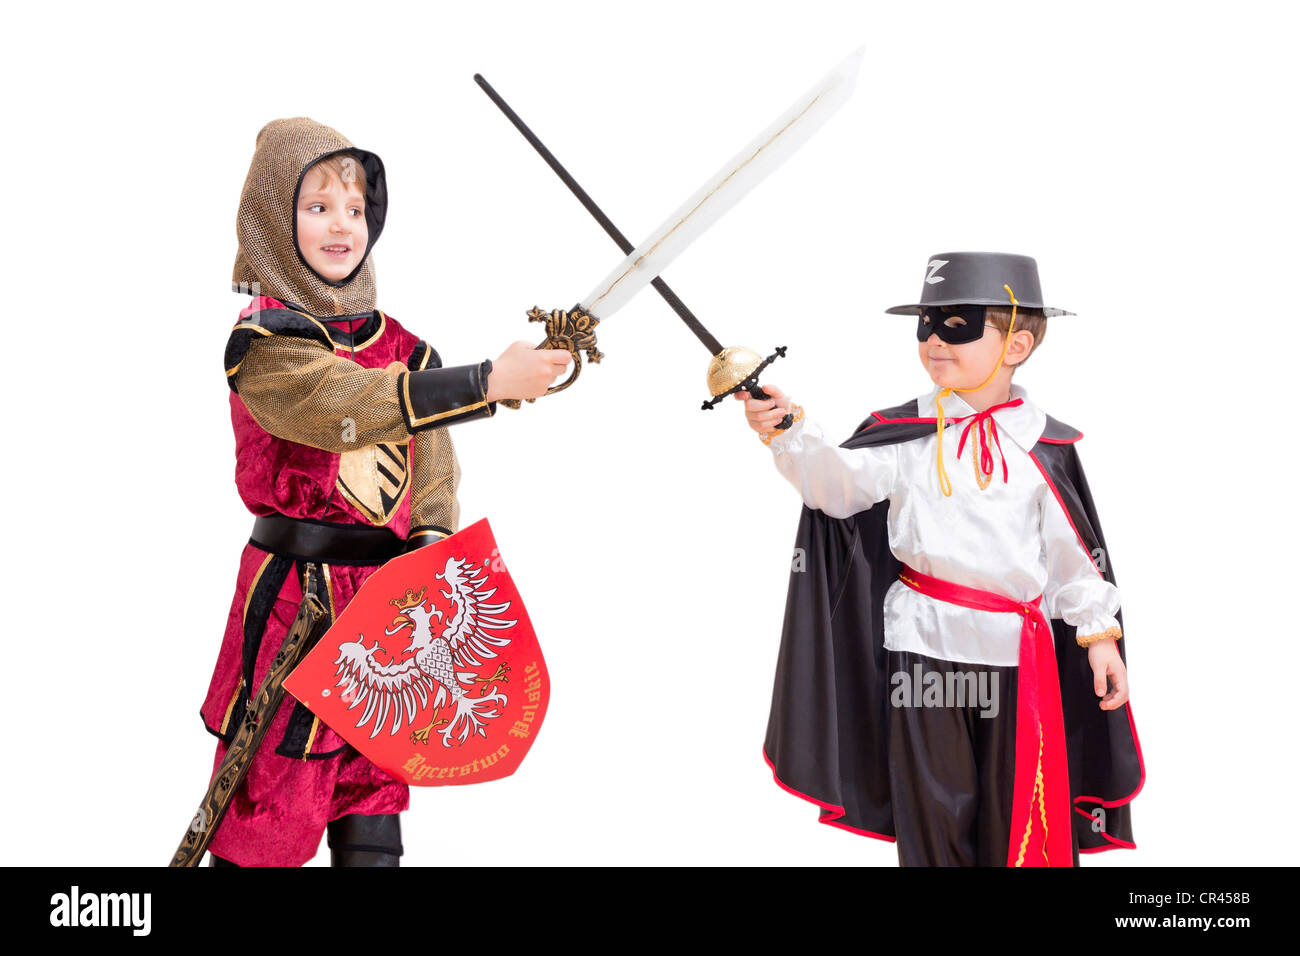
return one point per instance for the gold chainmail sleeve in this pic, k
(297, 390)
(435, 475)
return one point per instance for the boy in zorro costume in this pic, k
(343, 455)
(919, 578)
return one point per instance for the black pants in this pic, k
(952, 756)
(357, 840)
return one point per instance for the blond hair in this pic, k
(344, 167)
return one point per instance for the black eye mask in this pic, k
(954, 324)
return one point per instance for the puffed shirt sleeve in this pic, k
(1075, 592)
(838, 481)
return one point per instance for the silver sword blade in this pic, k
(768, 150)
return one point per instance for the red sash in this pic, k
(1040, 816)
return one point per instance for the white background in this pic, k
(1141, 152)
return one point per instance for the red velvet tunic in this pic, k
(305, 774)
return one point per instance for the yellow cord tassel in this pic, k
(944, 484)
(1038, 794)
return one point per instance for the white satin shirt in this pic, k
(1013, 539)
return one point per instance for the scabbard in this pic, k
(308, 626)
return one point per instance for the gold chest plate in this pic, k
(375, 479)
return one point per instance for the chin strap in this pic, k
(944, 484)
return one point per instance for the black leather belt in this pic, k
(325, 541)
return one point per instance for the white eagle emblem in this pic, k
(433, 663)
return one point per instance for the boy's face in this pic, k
(969, 364)
(332, 232)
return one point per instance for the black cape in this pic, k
(827, 737)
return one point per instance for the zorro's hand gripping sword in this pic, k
(732, 369)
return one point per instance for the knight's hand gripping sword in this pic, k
(731, 369)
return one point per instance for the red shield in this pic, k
(432, 670)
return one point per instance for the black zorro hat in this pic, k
(977, 278)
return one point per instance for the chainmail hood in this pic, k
(267, 224)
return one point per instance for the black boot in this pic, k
(365, 840)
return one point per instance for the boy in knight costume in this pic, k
(343, 455)
(921, 694)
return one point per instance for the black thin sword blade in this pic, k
(660, 286)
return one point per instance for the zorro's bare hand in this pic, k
(1104, 659)
(763, 414)
(524, 371)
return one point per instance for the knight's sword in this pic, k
(731, 369)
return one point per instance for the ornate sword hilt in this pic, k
(573, 331)
(737, 369)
